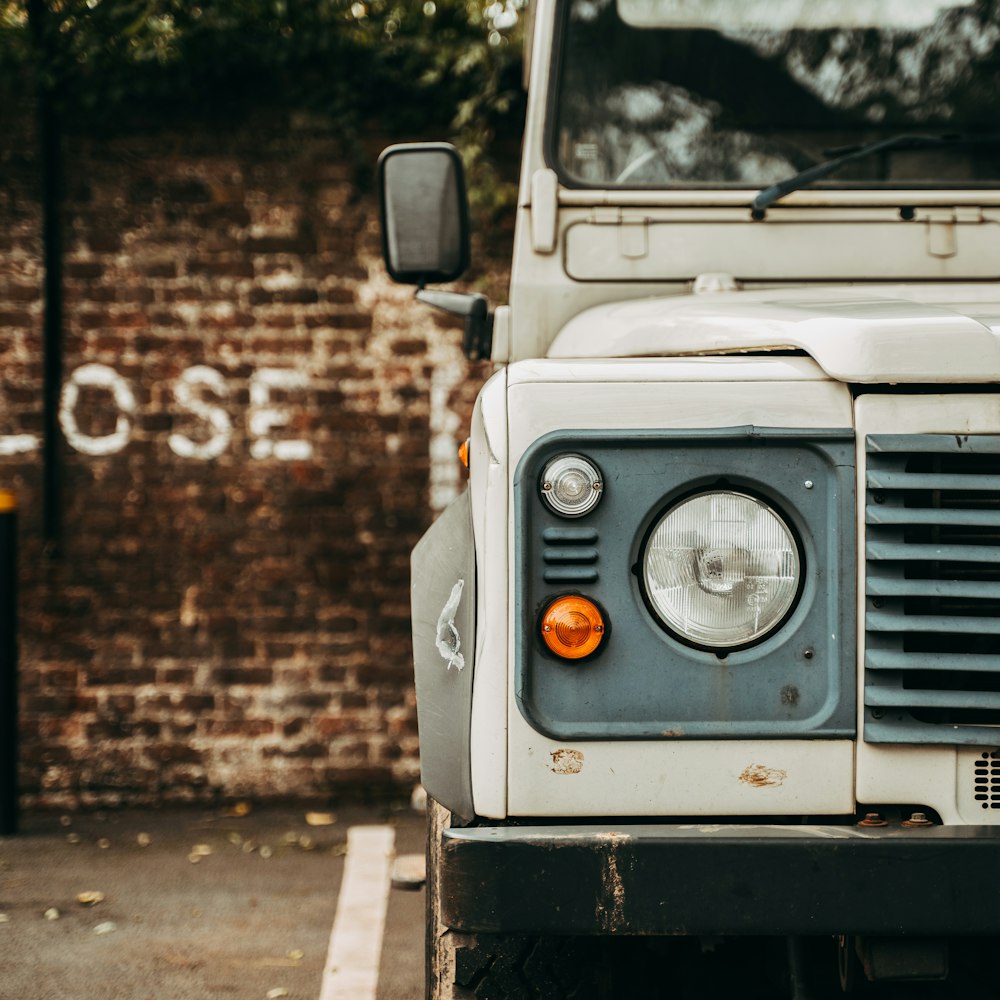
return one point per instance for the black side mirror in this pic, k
(425, 215)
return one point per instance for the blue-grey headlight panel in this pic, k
(645, 683)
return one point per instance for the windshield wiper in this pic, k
(758, 207)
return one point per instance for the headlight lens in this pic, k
(721, 569)
(571, 485)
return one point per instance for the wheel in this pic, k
(463, 966)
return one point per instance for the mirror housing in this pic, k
(424, 212)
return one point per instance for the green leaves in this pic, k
(404, 68)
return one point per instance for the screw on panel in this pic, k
(808, 652)
(873, 819)
(808, 484)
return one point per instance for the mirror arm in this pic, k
(474, 307)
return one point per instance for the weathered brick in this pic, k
(240, 614)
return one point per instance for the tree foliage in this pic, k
(407, 67)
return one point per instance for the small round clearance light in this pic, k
(573, 627)
(571, 485)
(721, 570)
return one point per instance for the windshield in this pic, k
(731, 93)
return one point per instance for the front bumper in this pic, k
(721, 879)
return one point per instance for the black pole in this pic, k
(8, 664)
(50, 149)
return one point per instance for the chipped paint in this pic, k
(611, 904)
(448, 641)
(566, 761)
(760, 776)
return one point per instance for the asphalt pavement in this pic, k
(188, 904)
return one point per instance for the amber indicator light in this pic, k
(573, 627)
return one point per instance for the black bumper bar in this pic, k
(661, 879)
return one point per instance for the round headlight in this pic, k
(721, 569)
(571, 485)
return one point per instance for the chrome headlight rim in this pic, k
(767, 502)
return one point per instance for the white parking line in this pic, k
(351, 970)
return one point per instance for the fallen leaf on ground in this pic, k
(320, 818)
(52, 913)
(278, 991)
(91, 898)
(108, 927)
(144, 840)
(238, 809)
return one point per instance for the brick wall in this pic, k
(248, 414)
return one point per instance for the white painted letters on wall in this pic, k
(100, 377)
(18, 444)
(186, 393)
(265, 420)
(264, 417)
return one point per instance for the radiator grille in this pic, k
(932, 624)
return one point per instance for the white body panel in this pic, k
(488, 484)
(671, 777)
(856, 335)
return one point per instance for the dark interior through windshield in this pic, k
(749, 106)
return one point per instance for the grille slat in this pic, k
(901, 551)
(935, 444)
(876, 514)
(877, 621)
(932, 661)
(883, 587)
(904, 481)
(886, 697)
(885, 659)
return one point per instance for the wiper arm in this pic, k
(804, 178)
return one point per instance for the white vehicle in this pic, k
(708, 654)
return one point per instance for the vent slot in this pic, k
(932, 624)
(986, 782)
(570, 555)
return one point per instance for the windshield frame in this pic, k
(830, 190)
